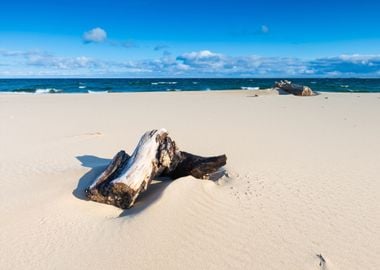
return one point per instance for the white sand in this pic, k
(305, 180)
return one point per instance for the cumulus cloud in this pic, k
(99, 35)
(62, 62)
(203, 60)
(347, 65)
(30, 53)
(47, 60)
(208, 63)
(203, 63)
(95, 35)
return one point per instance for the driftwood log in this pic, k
(156, 155)
(295, 89)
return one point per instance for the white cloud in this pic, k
(202, 60)
(207, 62)
(8, 53)
(99, 35)
(204, 63)
(347, 65)
(46, 60)
(96, 35)
(62, 62)
(201, 56)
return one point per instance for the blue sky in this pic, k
(195, 38)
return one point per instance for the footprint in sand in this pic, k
(87, 134)
(93, 134)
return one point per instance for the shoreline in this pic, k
(260, 92)
(182, 84)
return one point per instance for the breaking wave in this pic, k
(158, 83)
(249, 88)
(47, 91)
(97, 92)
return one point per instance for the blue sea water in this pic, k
(41, 86)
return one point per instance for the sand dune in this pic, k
(303, 180)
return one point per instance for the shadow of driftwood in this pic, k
(90, 161)
(98, 165)
(156, 188)
(148, 197)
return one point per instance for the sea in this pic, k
(94, 86)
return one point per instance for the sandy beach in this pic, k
(303, 180)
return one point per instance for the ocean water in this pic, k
(44, 86)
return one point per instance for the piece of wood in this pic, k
(295, 89)
(156, 155)
(196, 166)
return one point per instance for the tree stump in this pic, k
(156, 155)
(295, 89)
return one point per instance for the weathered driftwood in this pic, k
(295, 89)
(156, 155)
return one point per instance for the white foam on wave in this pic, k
(345, 86)
(15, 93)
(97, 92)
(249, 88)
(157, 83)
(82, 86)
(47, 91)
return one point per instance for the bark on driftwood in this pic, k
(295, 89)
(156, 155)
